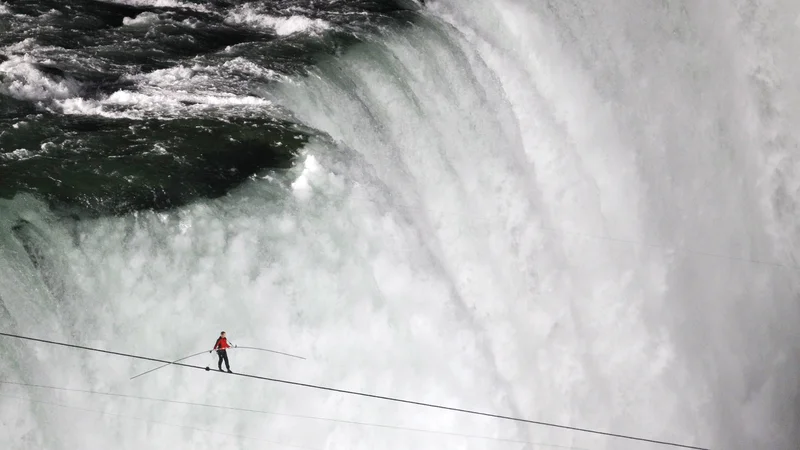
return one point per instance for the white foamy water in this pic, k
(143, 19)
(178, 91)
(135, 105)
(22, 80)
(283, 26)
(162, 4)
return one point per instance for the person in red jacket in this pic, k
(220, 346)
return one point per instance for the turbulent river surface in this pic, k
(582, 213)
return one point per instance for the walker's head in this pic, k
(222, 334)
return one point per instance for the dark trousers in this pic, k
(223, 355)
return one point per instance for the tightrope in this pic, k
(363, 394)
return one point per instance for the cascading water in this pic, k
(577, 213)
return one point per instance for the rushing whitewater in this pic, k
(579, 212)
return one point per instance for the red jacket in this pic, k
(221, 344)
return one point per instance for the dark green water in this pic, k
(107, 108)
